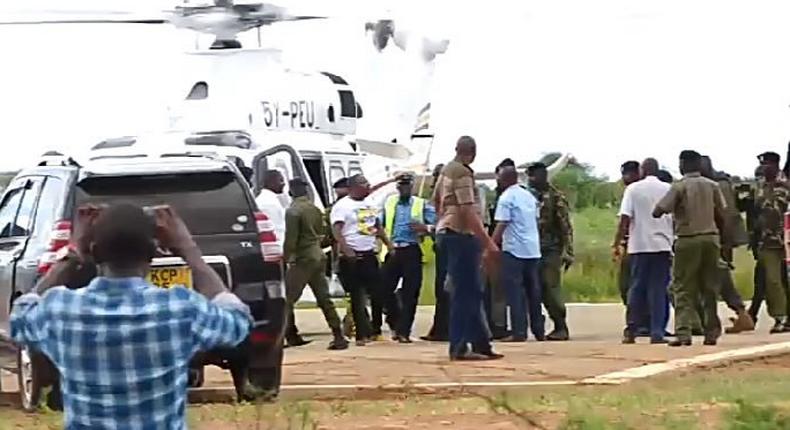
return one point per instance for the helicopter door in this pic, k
(288, 162)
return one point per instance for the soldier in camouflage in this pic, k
(556, 243)
(771, 201)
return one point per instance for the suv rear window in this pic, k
(209, 203)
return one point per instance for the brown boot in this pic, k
(743, 322)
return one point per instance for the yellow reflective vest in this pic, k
(417, 213)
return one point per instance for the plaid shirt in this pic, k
(123, 347)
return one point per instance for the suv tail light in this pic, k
(271, 250)
(59, 238)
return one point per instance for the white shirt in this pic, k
(647, 234)
(359, 222)
(271, 205)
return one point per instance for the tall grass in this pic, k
(593, 277)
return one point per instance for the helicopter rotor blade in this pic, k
(86, 21)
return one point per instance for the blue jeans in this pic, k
(467, 318)
(521, 279)
(650, 274)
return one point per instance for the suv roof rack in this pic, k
(55, 158)
(190, 154)
(117, 142)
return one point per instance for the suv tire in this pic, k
(196, 377)
(29, 380)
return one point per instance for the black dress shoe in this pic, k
(681, 341)
(469, 356)
(491, 355)
(298, 341)
(628, 339)
(432, 338)
(499, 334)
(403, 339)
(541, 338)
(558, 336)
(338, 344)
(513, 339)
(710, 341)
(661, 341)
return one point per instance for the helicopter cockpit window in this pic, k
(199, 91)
(348, 105)
(335, 78)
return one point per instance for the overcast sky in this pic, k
(605, 80)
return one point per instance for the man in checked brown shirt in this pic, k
(698, 209)
(465, 241)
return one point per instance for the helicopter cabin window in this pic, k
(354, 168)
(336, 173)
(199, 91)
(348, 105)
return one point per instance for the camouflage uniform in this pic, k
(771, 201)
(556, 247)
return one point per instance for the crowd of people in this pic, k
(498, 267)
(382, 247)
(687, 259)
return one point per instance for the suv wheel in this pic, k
(196, 377)
(265, 382)
(29, 381)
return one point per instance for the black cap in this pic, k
(341, 183)
(405, 179)
(629, 167)
(690, 155)
(295, 182)
(769, 157)
(534, 167)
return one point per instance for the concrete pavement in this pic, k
(594, 351)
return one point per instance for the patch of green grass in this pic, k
(745, 396)
(749, 416)
(593, 278)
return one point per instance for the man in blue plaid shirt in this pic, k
(123, 346)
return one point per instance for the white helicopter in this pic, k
(246, 103)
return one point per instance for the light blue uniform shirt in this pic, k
(402, 233)
(519, 208)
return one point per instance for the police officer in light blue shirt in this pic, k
(407, 219)
(517, 232)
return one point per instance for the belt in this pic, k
(403, 245)
(687, 236)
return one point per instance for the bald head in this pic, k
(508, 175)
(466, 150)
(650, 167)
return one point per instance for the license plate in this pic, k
(167, 277)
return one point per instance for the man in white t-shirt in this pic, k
(270, 203)
(356, 226)
(649, 251)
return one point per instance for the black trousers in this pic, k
(361, 278)
(441, 314)
(404, 264)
